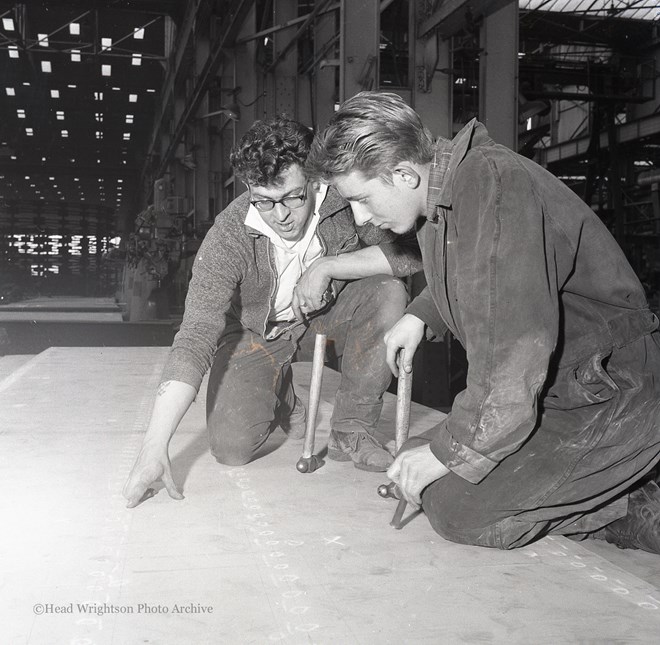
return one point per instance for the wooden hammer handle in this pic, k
(403, 395)
(314, 394)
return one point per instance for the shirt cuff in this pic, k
(426, 311)
(459, 458)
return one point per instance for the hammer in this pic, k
(402, 425)
(309, 462)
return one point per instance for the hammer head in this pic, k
(308, 464)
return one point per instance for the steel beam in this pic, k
(450, 17)
(498, 72)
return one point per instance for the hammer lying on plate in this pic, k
(402, 425)
(309, 462)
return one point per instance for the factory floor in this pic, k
(259, 553)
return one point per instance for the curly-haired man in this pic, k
(284, 261)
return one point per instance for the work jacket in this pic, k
(529, 280)
(235, 277)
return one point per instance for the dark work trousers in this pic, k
(598, 434)
(250, 385)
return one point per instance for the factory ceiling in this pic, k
(79, 82)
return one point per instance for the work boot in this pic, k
(295, 424)
(360, 447)
(640, 528)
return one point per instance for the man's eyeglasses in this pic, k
(292, 201)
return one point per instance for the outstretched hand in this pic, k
(413, 470)
(148, 469)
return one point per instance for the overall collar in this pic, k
(448, 155)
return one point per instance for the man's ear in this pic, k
(407, 175)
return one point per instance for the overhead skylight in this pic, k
(46, 67)
(132, 98)
(74, 28)
(106, 44)
(138, 33)
(10, 91)
(106, 70)
(8, 24)
(43, 40)
(636, 9)
(54, 94)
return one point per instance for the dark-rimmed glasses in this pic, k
(292, 201)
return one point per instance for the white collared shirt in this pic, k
(291, 258)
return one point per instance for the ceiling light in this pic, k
(59, 115)
(8, 24)
(46, 67)
(10, 91)
(43, 40)
(136, 59)
(73, 87)
(106, 70)
(51, 178)
(20, 113)
(129, 118)
(117, 89)
(132, 98)
(29, 132)
(54, 94)
(151, 90)
(138, 33)
(27, 176)
(65, 134)
(127, 136)
(120, 181)
(13, 51)
(98, 96)
(13, 157)
(75, 55)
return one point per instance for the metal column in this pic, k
(498, 87)
(286, 73)
(360, 35)
(325, 94)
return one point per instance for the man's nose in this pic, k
(281, 211)
(361, 215)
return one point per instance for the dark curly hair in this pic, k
(268, 148)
